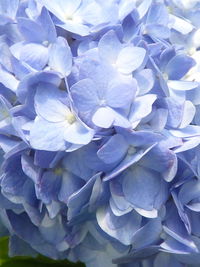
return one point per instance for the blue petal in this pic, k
(35, 55)
(189, 191)
(31, 30)
(113, 150)
(109, 47)
(120, 94)
(189, 131)
(147, 234)
(74, 27)
(48, 27)
(128, 161)
(29, 168)
(13, 182)
(103, 117)
(46, 135)
(48, 186)
(125, 8)
(130, 59)
(162, 160)
(60, 58)
(122, 228)
(80, 198)
(137, 256)
(75, 163)
(188, 114)
(181, 25)
(85, 96)
(141, 107)
(159, 119)
(158, 14)
(29, 83)
(45, 159)
(70, 184)
(61, 8)
(48, 103)
(182, 85)
(8, 80)
(178, 66)
(173, 246)
(145, 80)
(144, 7)
(8, 10)
(79, 134)
(165, 260)
(157, 31)
(134, 190)
(17, 247)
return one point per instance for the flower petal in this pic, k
(130, 59)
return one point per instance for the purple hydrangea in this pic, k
(100, 130)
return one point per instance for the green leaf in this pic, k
(40, 261)
(3, 249)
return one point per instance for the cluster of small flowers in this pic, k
(100, 130)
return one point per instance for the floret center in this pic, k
(70, 117)
(192, 51)
(131, 150)
(69, 16)
(58, 171)
(165, 76)
(73, 17)
(102, 102)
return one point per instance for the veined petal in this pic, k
(120, 94)
(77, 133)
(48, 103)
(74, 27)
(157, 31)
(8, 80)
(31, 30)
(85, 96)
(188, 114)
(60, 58)
(62, 9)
(145, 80)
(130, 58)
(122, 228)
(109, 47)
(182, 85)
(70, 184)
(181, 25)
(103, 117)
(35, 55)
(141, 107)
(127, 162)
(178, 66)
(113, 150)
(189, 131)
(136, 193)
(158, 14)
(48, 26)
(9, 8)
(46, 135)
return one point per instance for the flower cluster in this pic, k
(100, 130)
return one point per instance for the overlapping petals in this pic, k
(100, 131)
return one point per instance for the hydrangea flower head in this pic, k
(100, 131)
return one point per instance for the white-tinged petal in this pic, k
(188, 114)
(46, 135)
(77, 133)
(129, 59)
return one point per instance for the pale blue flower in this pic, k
(100, 131)
(56, 127)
